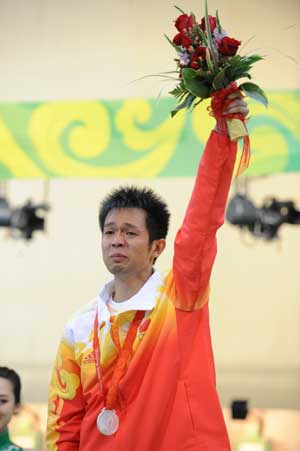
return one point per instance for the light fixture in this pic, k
(262, 222)
(25, 220)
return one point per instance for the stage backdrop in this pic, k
(135, 138)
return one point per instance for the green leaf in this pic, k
(185, 104)
(179, 91)
(245, 75)
(221, 80)
(197, 103)
(195, 83)
(255, 92)
(176, 47)
(170, 72)
(209, 36)
(244, 63)
(201, 33)
(205, 75)
(179, 9)
(236, 75)
(253, 58)
(240, 66)
(208, 60)
(218, 22)
(164, 77)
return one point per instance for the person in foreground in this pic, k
(135, 369)
(10, 392)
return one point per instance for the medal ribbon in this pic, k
(114, 331)
(122, 360)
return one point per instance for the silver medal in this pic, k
(107, 422)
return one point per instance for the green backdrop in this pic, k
(135, 138)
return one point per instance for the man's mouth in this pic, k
(118, 257)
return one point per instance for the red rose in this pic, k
(228, 46)
(200, 52)
(184, 22)
(212, 23)
(183, 40)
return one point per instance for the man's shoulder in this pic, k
(84, 311)
(81, 322)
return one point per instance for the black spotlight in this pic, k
(5, 213)
(262, 222)
(25, 220)
(241, 211)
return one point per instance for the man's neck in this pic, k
(126, 287)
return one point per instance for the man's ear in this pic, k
(158, 247)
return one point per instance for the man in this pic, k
(135, 370)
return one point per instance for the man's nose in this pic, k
(118, 239)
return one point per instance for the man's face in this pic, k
(7, 403)
(125, 243)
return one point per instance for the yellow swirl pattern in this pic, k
(162, 139)
(70, 383)
(13, 156)
(90, 139)
(267, 138)
(139, 111)
(77, 139)
(267, 141)
(63, 376)
(202, 123)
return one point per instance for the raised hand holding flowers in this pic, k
(208, 66)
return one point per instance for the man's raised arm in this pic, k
(195, 243)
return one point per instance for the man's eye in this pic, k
(3, 401)
(131, 233)
(108, 232)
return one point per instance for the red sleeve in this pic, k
(195, 243)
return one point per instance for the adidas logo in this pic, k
(89, 358)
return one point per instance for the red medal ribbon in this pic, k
(110, 399)
(219, 103)
(114, 331)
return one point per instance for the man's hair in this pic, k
(157, 213)
(15, 380)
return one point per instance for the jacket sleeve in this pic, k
(195, 243)
(66, 405)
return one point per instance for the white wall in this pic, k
(66, 49)
(93, 50)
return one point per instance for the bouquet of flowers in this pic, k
(208, 65)
(207, 61)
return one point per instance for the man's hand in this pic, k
(237, 105)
